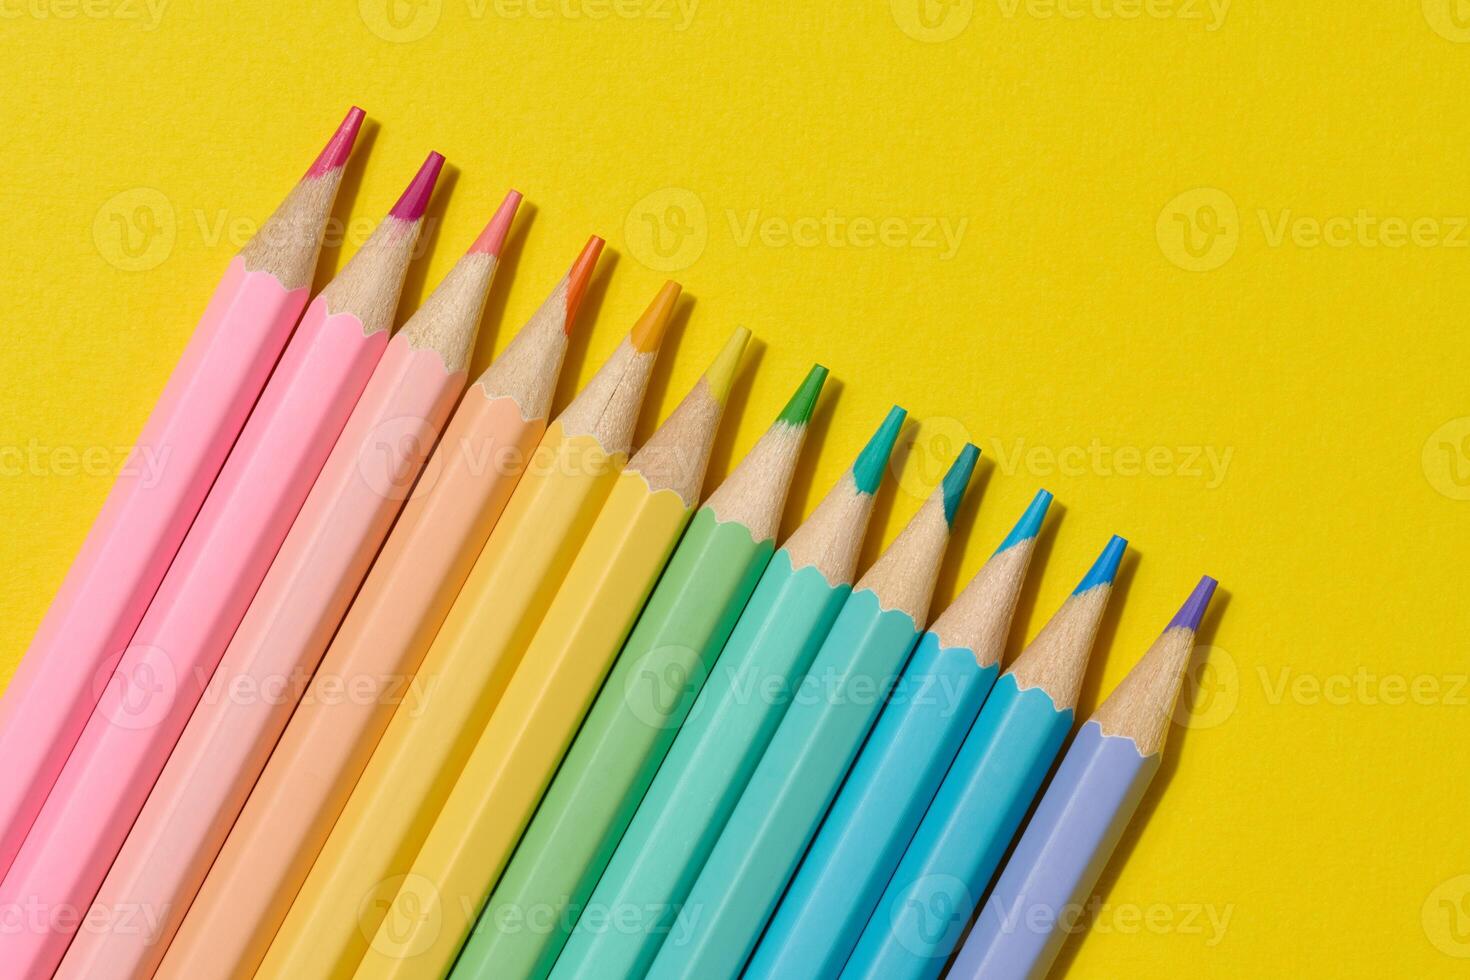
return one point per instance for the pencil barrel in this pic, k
(707, 767)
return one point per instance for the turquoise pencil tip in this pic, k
(1105, 568)
(957, 479)
(1193, 610)
(867, 470)
(1030, 523)
(798, 410)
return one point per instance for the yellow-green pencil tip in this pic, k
(721, 374)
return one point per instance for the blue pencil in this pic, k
(890, 786)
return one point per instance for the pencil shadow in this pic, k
(798, 497)
(721, 457)
(348, 191)
(1026, 602)
(587, 314)
(492, 322)
(656, 401)
(416, 281)
(947, 584)
(1107, 633)
(883, 501)
(1168, 766)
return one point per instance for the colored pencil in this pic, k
(203, 597)
(468, 666)
(1039, 898)
(298, 607)
(684, 810)
(652, 685)
(985, 796)
(377, 651)
(143, 522)
(811, 751)
(895, 777)
(536, 719)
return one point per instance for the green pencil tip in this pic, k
(957, 479)
(798, 411)
(867, 470)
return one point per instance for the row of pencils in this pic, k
(385, 677)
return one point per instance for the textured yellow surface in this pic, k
(1200, 269)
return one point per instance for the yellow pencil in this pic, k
(467, 667)
(559, 675)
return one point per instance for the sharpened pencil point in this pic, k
(867, 470)
(579, 276)
(415, 200)
(339, 147)
(798, 410)
(1105, 569)
(1030, 523)
(1189, 615)
(721, 373)
(492, 239)
(648, 332)
(957, 479)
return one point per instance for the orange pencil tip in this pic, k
(492, 239)
(648, 332)
(580, 275)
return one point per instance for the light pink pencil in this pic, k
(150, 507)
(288, 625)
(208, 587)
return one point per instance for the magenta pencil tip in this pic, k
(415, 199)
(1193, 610)
(339, 147)
(492, 239)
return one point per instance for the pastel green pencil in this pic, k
(626, 734)
(711, 758)
(818, 738)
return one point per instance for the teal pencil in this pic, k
(818, 738)
(981, 803)
(637, 899)
(874, 817)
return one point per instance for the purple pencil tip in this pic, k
(415, 199)
(1193, 610)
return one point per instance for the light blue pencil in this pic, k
(915, 740)
(812, 749)
(985, 796)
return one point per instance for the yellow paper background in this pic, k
(1206, 281)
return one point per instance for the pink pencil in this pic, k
(288, 625)
(143, 522)
(225, 555)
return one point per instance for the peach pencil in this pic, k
(285, 631)
(163, 674)
(395, 617)
(123, 560)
